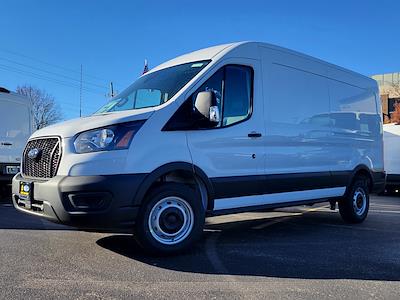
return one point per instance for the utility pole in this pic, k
(80, 96)
(111, 89)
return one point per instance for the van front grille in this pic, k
(45, 163)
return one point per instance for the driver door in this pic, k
(232, 153)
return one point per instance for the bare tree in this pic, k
(45, 109)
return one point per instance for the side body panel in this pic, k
(296, 114)
(330, 121)
(321, 123)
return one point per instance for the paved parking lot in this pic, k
(301, 252)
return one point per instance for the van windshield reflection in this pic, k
(155, 88)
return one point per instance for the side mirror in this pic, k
(206, 105)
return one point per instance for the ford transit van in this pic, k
(231, 128)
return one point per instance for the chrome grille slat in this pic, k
(47, 164)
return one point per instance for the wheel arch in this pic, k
(178, 172)
(361, 170)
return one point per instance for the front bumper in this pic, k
(91, 202)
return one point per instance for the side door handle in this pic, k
(254, 134)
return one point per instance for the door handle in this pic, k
(254, 134)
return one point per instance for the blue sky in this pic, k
(43, 43)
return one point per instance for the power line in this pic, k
(52, 73)
(33, 75)
(49, 64)
(40, 76)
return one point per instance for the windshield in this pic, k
(154, 88)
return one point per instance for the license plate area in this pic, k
(12, 170)
(25, 189)
(26, 200)
(25, 192)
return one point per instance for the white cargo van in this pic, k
(231, 128)
(391, 138)
(15, 129)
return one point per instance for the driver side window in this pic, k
(233, 88)
(215, 84)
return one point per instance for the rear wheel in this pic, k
(171, 219)
(355, 205)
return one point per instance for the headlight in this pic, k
(113, 137)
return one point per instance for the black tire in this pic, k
(354, 206)
(150, 235)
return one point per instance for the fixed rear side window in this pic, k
(233, 87)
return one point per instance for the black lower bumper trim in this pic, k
(102, 202)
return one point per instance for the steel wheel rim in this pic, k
(359, 201)
(177, 207)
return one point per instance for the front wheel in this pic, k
(171, 219)
(355, 205)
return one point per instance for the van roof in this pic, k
(202, 54)
(220, 50)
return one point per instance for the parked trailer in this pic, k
(231, 128)
(391, 139)
(15, 129)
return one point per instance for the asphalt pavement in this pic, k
(300, 252)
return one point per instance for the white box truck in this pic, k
(391, 139)
(230, 128)
(15, 129)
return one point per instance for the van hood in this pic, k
(72, 127)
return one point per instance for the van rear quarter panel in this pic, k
(319, 117)
(356, 119)
(356, 134)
